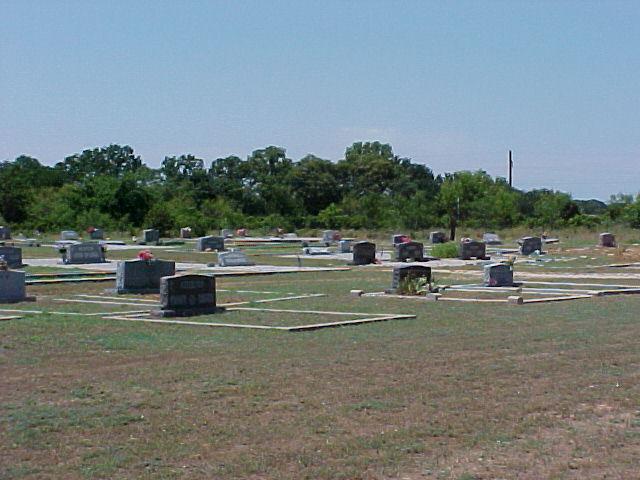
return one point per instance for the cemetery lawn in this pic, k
(464, 391)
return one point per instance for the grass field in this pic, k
(463, 391)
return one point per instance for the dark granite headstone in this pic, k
(151, 235)
(187, 295)
(344, 246)
(364, 253)
(142, 276)
(437, 237)
(403, 272)
(12, 286)
(5, 233)
(472, 249)
(528, 245)
(12, 255)
(79, 253)
(210, 243)
(411, 251)
(607, 240)
(498, 275)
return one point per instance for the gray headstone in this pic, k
(411, 251)
(437, 237)
(69, 235)
(12, 286)
(151, 235)
(472, 249)
(210, 243)
(364, 253)
(528, 245)
(607, 240)
(5, 233)
(226, 233)
(329, 235)
(234, 258)
(97, 234)
(12, 255)
(185, 232)
(344, 246)
(316, 251)
(403, 272)
(498, 275)
(142, 276)
(187, 295)
(80, 253)
(491, 239)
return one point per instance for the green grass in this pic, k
(462, 391)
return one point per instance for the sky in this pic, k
(454, 85)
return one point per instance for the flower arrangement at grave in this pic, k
(145, 255)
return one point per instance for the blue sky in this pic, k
(454, 85)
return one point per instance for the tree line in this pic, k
(370, 188)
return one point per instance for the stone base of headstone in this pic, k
(356, 293)
(515, 300)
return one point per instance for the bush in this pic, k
(445, 250)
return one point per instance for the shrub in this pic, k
(445, 250)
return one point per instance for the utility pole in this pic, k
(510, 169)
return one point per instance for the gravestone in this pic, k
(472, 249)
(412, 251)
(185, 232)
(234, 258)
(437, 237)
(226, 233)
(399, 238)
(5, 233)
(364, 253)
(80, 253)
(69, 235)
(96, 234)
(151, 235)
(491, 239)
(290, 236)
(12, 286)
(187, 295)
(344, 246)
(498, 275)
(316, 251)
(528, 245)
(607, 240)
(12, 255)
(210, 243)
(329, 236)
(404, 272)
(142, 276)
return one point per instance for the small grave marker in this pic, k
(142, 276)
(491, 239)
(12, 255)
(411, 251)
(150, 235)
(69, 235)
(472, 248)
(96, 234)
(528, 245)
(405, 272)
(364, 253)
(437, 237)
(498, 275)
(185, 232)
(607, 240)
(234, 258)
(5, 233)
(80, 253)
(210, 243)
(187, 295)
(344, 246)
